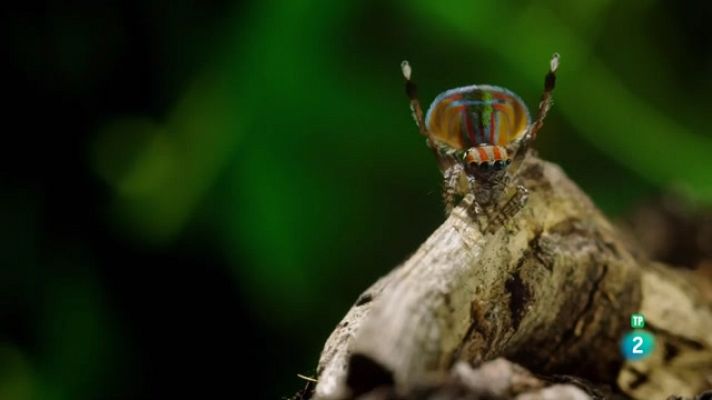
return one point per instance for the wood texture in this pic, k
(552, 289)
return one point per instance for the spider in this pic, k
(480, 135)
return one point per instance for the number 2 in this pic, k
(639, 342)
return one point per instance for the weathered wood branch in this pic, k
(552, 290)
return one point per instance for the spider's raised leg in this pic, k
(411, 90)
(519, 199)
(546, 97)
(544, 107)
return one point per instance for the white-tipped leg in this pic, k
(406, 69)
(544, 106)
(546, 97)
(416, 110)
(411, 90)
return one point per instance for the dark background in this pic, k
(193, 193)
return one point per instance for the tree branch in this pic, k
(552, 290)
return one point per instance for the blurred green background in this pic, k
(193, 194)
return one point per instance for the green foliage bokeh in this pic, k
(290, 145)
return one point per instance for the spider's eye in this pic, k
(509, 161)
(499, 165)
(485, 166)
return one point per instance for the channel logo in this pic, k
(638, 343)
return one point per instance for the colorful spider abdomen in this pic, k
(478, 115)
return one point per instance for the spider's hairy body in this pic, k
(476, 132)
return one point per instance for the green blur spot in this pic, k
(17, 378)
(78, 340)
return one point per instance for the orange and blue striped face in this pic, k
(475, 116)
(486, 158)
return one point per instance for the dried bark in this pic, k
(552, 290)
(494, 380)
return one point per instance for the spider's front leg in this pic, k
(454, 188)
(451, 186)
(510, 209)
